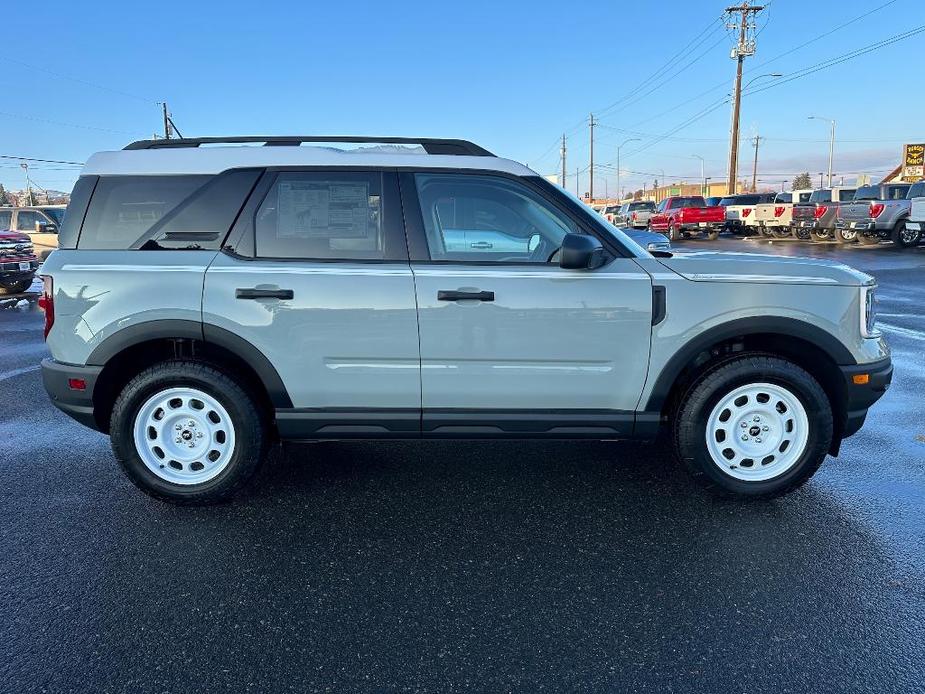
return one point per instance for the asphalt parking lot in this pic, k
(490, 566)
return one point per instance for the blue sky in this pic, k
(512, 76)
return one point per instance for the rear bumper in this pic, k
(860, 397)
(856, 225)
(696, 226)
(75, 403)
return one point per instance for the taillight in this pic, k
(47, 302)
(747, 211)
(875, 209)
(778, 211)
(820, 210)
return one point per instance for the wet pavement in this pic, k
(487, 566)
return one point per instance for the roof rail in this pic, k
(431, 145)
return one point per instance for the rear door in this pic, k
(318, 280)
(511, 343)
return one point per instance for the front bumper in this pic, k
(16, 270)
(73, 402)
(860, 396)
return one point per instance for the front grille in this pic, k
(16, 250)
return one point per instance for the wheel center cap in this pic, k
(187, 435)
(754, 430)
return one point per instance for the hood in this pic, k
(770, 269)
(16, 236)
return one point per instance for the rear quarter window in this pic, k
(124, 208)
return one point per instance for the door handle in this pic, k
(255, 293)
(450, 295)
(480, 244)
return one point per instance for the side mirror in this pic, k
(580, 252)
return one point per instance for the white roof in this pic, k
(213, 160)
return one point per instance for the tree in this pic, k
(4, 199)
(802, 182)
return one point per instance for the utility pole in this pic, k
(744, 48)
(591, 167)
(755, 166)
(166, 120)
(563, 161)
(703, 180)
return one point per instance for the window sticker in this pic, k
(324, 209)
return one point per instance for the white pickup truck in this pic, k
(916, 221)
(774, 218)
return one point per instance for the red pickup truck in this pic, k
(17, 262)
(681, 214)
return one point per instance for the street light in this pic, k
(703, 180)
(755, 79)
(831, 144)
(619, 147)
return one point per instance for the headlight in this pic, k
(868, 313)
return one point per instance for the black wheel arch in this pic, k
(127, 352)
(807, 345)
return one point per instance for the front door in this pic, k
(512, 344)
(321, 285)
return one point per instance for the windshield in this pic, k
(867, 193)
(821, 196)
(57, 214)
(783, 197)
(600, 223)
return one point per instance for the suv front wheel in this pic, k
(187, 433)
(754, 425)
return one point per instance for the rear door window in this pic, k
(26, 220)
(327, 216)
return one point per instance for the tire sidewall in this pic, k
(239, 405)
(692, 440)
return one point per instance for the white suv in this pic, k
(207, 301)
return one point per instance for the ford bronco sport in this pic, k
(206, 301)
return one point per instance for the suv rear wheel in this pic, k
(755, 426)
(187, 433)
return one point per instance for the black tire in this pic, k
(903, 237)
(690, 423)
(821, 235)
(765, 232)
(250, 430)
(673, 234)
(868, 240)
(846, 235)
(713, 234)
(16, 288)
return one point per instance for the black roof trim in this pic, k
(431, 145)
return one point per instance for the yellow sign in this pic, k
(914, 155)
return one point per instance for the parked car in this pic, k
(650, 240)
(299, 292)
(773, 218)
(17, 262)
(876, 212)
(916, 221)
(680, 215)
(610, 213)
(740, 218)
(41, 222)
(634, 214)
(815, 220)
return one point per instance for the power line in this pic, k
(68, 125)
(46, 161)
(77, 80)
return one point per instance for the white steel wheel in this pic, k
(757, 432)
(184, 436)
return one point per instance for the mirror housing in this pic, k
(580, 252)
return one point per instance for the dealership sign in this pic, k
(913, 162)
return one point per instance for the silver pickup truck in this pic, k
(916, 222)
(815, 220)
(876, 212)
